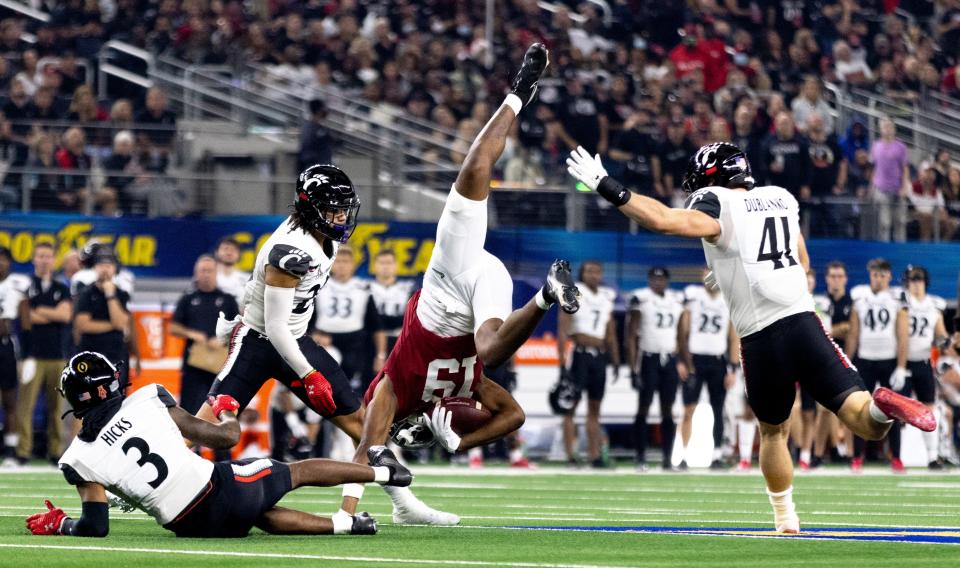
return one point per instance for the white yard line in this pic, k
(281, 556)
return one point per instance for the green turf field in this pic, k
(494, 499)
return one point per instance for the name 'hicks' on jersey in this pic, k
(755, 259)
(594, 313)
(659, 318)
(296, 252)
(709, 321)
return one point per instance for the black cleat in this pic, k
(935, 465)
(718, 464)
(381, 456)
(560, 289)
(525, 84)
(683, 466)
(363, 523)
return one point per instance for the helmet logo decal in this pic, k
(82, 366)
(317, 179)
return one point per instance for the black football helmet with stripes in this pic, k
(89, 380)
(326, 202)
(720, 164)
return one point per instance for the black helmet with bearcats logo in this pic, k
(720, 164)
(89, 380)
(323, 191)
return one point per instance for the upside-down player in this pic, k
(752, 242)
(133, 446)
(463, 316)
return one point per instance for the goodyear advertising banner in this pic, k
(165, 247)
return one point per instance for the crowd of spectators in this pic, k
(642, 85)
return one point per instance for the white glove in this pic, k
(710, 281)
(297, 428)
(586, 169)
(443, 433)
(899, 378)
(225, 327)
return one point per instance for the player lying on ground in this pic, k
(134, 447)
(271, 339)
(752, 242)
(463, 317)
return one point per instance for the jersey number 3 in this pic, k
(770, 236)
(457, 382)
(146, 457)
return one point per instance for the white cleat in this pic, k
(418, 513)
(789, 525)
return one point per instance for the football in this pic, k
(468, 414)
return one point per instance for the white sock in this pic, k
(783, 507)
(542, 302)
(932, 441)
(516, 455)
(402, 497)
(514, 102)
(10, 440)
(842, 449)
(747, 431)
(805, 456)
(878, 415)
(381, 474)
(717, 454)
(342, 522)
(475, 453)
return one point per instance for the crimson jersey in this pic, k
(425, 367)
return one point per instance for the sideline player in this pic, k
(878, 339)
(462, 319)
(595, 347)
(925, 313)
(653, 324)
(752, 242)
(133, 447)
(707, 346)
(390, 294)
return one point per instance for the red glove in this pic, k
(222, 403)
(320, 393)
(46, 523)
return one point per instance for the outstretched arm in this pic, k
(649, 213)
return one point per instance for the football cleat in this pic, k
(908, 410)
(527, 80)
(641, 467)
(897, 466)
(936, 465)
(804, 465)
(856, 465)
(523, 463)
(744, 465)
(789, 524)
(560, 288)
(718, 464)
(363, 523)
(381, 456)
(683, 466)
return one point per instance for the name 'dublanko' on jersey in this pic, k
(759, 205)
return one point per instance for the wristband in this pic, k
(542, 302)
(114, 297)
(613, 191)
(733, 367)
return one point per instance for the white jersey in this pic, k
(13, 289)
(234, 283)
(139, 455)
(464, 285)
(877, 313)
(296, 252)
(755, 259)
(709, 322)
(659, 319)
(824, 308)
(391, 301)
(342, 306)
(594, 313)
(125, 280)
(924, 315)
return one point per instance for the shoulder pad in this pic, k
(938, 302)
(71, 475)
(608, 293)
(290, 259)
(704, 200)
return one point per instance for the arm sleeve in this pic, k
(165, 397)
(277, 305)
(94, 521)
(493, 296)
(230, 306)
